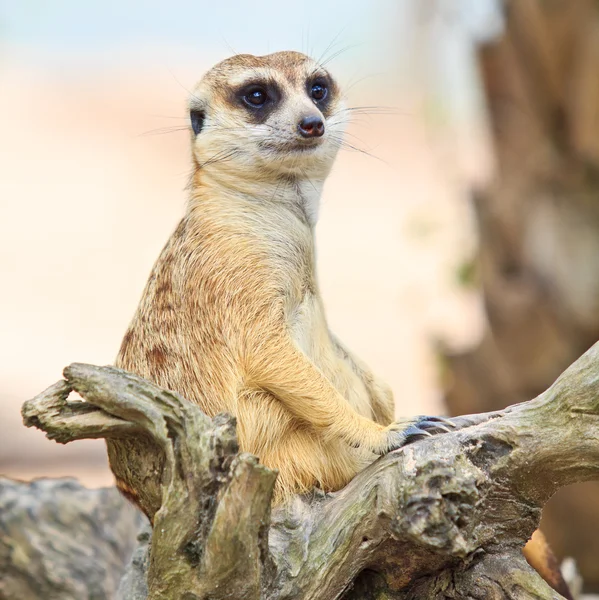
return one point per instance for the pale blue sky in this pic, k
(94, 26)
(64, 31)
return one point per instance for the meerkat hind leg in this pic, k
(304, 457)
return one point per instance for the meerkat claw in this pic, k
(415, 433)
(418, 428)
(443, 428)
(444, 420)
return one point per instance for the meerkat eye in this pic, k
(318, 92)
(255, 97)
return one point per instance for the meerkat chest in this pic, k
(308, 326)
(310, 332)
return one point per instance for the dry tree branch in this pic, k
(442, 518)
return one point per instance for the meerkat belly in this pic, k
(302, 455)
(311, 334)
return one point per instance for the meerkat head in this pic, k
(263, 117)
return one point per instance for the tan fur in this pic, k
(231, 316)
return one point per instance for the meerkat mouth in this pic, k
(303, 148)
(299, 147)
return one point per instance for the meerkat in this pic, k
(231, 317)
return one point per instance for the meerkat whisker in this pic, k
(318, 61)
(163, 130)
(353, 84)
(338, 53)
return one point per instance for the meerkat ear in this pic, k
(197, 120)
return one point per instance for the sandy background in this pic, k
(90, 192)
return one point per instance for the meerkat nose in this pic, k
(311, 127)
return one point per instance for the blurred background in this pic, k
(457, 245)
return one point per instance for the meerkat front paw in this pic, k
(412, 429)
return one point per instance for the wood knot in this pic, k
(438, 504)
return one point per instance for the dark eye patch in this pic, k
(258, 97)
(326, 90)
(197, 120)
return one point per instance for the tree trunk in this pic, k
(539, 231)
(443, 517)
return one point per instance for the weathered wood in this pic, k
(444, 517)
(60, 541)
(198, 501)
